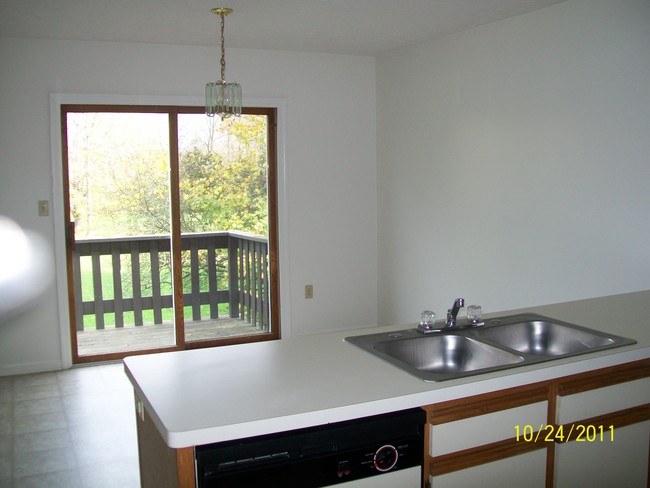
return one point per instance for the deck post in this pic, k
(233, 277)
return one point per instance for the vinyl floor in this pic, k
(68, 429)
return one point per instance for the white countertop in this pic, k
(210, 395)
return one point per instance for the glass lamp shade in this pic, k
(222, 99)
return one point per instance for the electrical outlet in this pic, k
(309, 291)
(43, 208)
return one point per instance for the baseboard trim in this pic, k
(34, 367)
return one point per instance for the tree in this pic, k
(119, 182)
(226, 190)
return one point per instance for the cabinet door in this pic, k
(605, 463)
(527, 470)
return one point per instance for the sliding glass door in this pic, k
(172, 228)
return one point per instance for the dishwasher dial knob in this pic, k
(385, 458)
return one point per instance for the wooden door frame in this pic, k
(273, 227)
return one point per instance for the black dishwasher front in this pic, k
(317, 456)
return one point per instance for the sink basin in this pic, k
(436, 357)
(541, 337)
(446, 354)
(500, 343)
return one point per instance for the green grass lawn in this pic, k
(87, 292)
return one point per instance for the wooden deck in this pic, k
(150, 336)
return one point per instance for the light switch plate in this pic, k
(43, 208)
(309, 291)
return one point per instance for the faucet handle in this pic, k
(427, 322)
(474, 314)
(427, 317)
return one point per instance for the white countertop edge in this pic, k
(442, 391)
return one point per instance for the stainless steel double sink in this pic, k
(502, 343)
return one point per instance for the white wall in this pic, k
(514, 162)
(330, 221)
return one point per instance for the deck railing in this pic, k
(132, 275)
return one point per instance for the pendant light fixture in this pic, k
(221, 98)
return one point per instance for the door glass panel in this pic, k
(118, 185)
(224, 225)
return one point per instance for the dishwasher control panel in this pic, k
(317, 456)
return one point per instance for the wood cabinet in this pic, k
(160, 465)
(589, 429)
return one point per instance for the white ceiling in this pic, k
(364, 27)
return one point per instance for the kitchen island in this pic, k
(191, 398)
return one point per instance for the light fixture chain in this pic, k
(223, 50)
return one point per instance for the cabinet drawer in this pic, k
(485, 429)
(527, 470)
(579, 406)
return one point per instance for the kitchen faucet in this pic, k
(452, 313)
